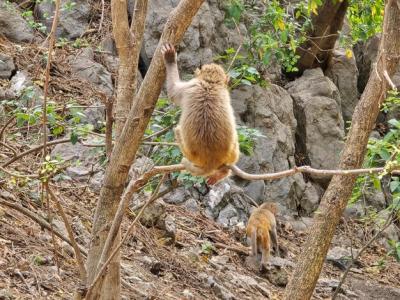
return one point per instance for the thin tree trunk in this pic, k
(315, 52)
(126, 146)
(333, 203)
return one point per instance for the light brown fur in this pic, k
(261, 231)
(206, 132)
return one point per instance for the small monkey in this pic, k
(261, 230)
(206, 132)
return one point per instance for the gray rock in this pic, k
(191, 205)
(370, 290)
(205, 38)
(271, 112)
(22, 86)
(86, 68)
(95, 116)
(255, 190)
(228, 216)
(12, 25)
(153, 214)
(301, 224)
(343, 72)
(320, 127)
(177, 196)
(220, 291)
(73, 22)
(188, 295)
(7, 66)
(355, 210)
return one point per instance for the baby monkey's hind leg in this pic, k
(218, 175)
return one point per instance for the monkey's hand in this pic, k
(169, 53)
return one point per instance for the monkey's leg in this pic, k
(265, 251)
(193, 169)
(274, 240)
(218, 175)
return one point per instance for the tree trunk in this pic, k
(311, 258)
(126, 146)
(128, 42)
(316, 51)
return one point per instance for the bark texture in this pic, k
(311, 259)
(126, 146)
(325, 26)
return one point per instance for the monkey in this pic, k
(206, 131)
(261, 231)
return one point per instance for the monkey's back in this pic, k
(259, 225)
(207, 125)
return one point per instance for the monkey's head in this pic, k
(213, 74)
(272, 207)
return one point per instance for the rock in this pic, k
(95, 116)
(374, 198)
(12, 25)
(7, 67)
(188, 295)
(81, 157)
(216, 194)
(177, 196)
(271, 112)
(255, 190)
(140, 166)
(301, 224)
(354, 210)
(22, 86)
(191, 205)
(86, 68)
(228, 216)
(320, 130)
(153, 214)
(170, 228)
(370, 290)
(6, 294)
(73, 20)
(220, 291)
(205, 38)
(219, 262)
(343, 72)
(277, 276)
(365, 54)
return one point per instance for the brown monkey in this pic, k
(261, 230)
(206, 132)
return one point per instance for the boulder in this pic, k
(12, 25)
(74, 19)
(7, 67)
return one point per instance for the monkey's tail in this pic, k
(254, 242)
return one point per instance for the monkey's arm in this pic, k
(175, 87)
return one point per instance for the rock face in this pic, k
(12, 25)
(206, 37)
(86, 68)
(343, 72)
(73, 20)
(320, 130)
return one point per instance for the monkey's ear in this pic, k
(197, 72)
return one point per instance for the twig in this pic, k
(38, 220)
(238, 49)
(308, 170)
(5, 126)
(159, 143)
(79, 258)
(389, 81)
(49, 217)
(109, 125)
(47, 76)
(103, 266)
(9, 148)
(102, 15)
(35, 149)
(158, 133)
(350, 264)
(16, 175)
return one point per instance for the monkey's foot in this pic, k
(218, 175)
(169, 53)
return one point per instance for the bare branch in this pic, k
(38, 220)
(107, 247)
(78, 256)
